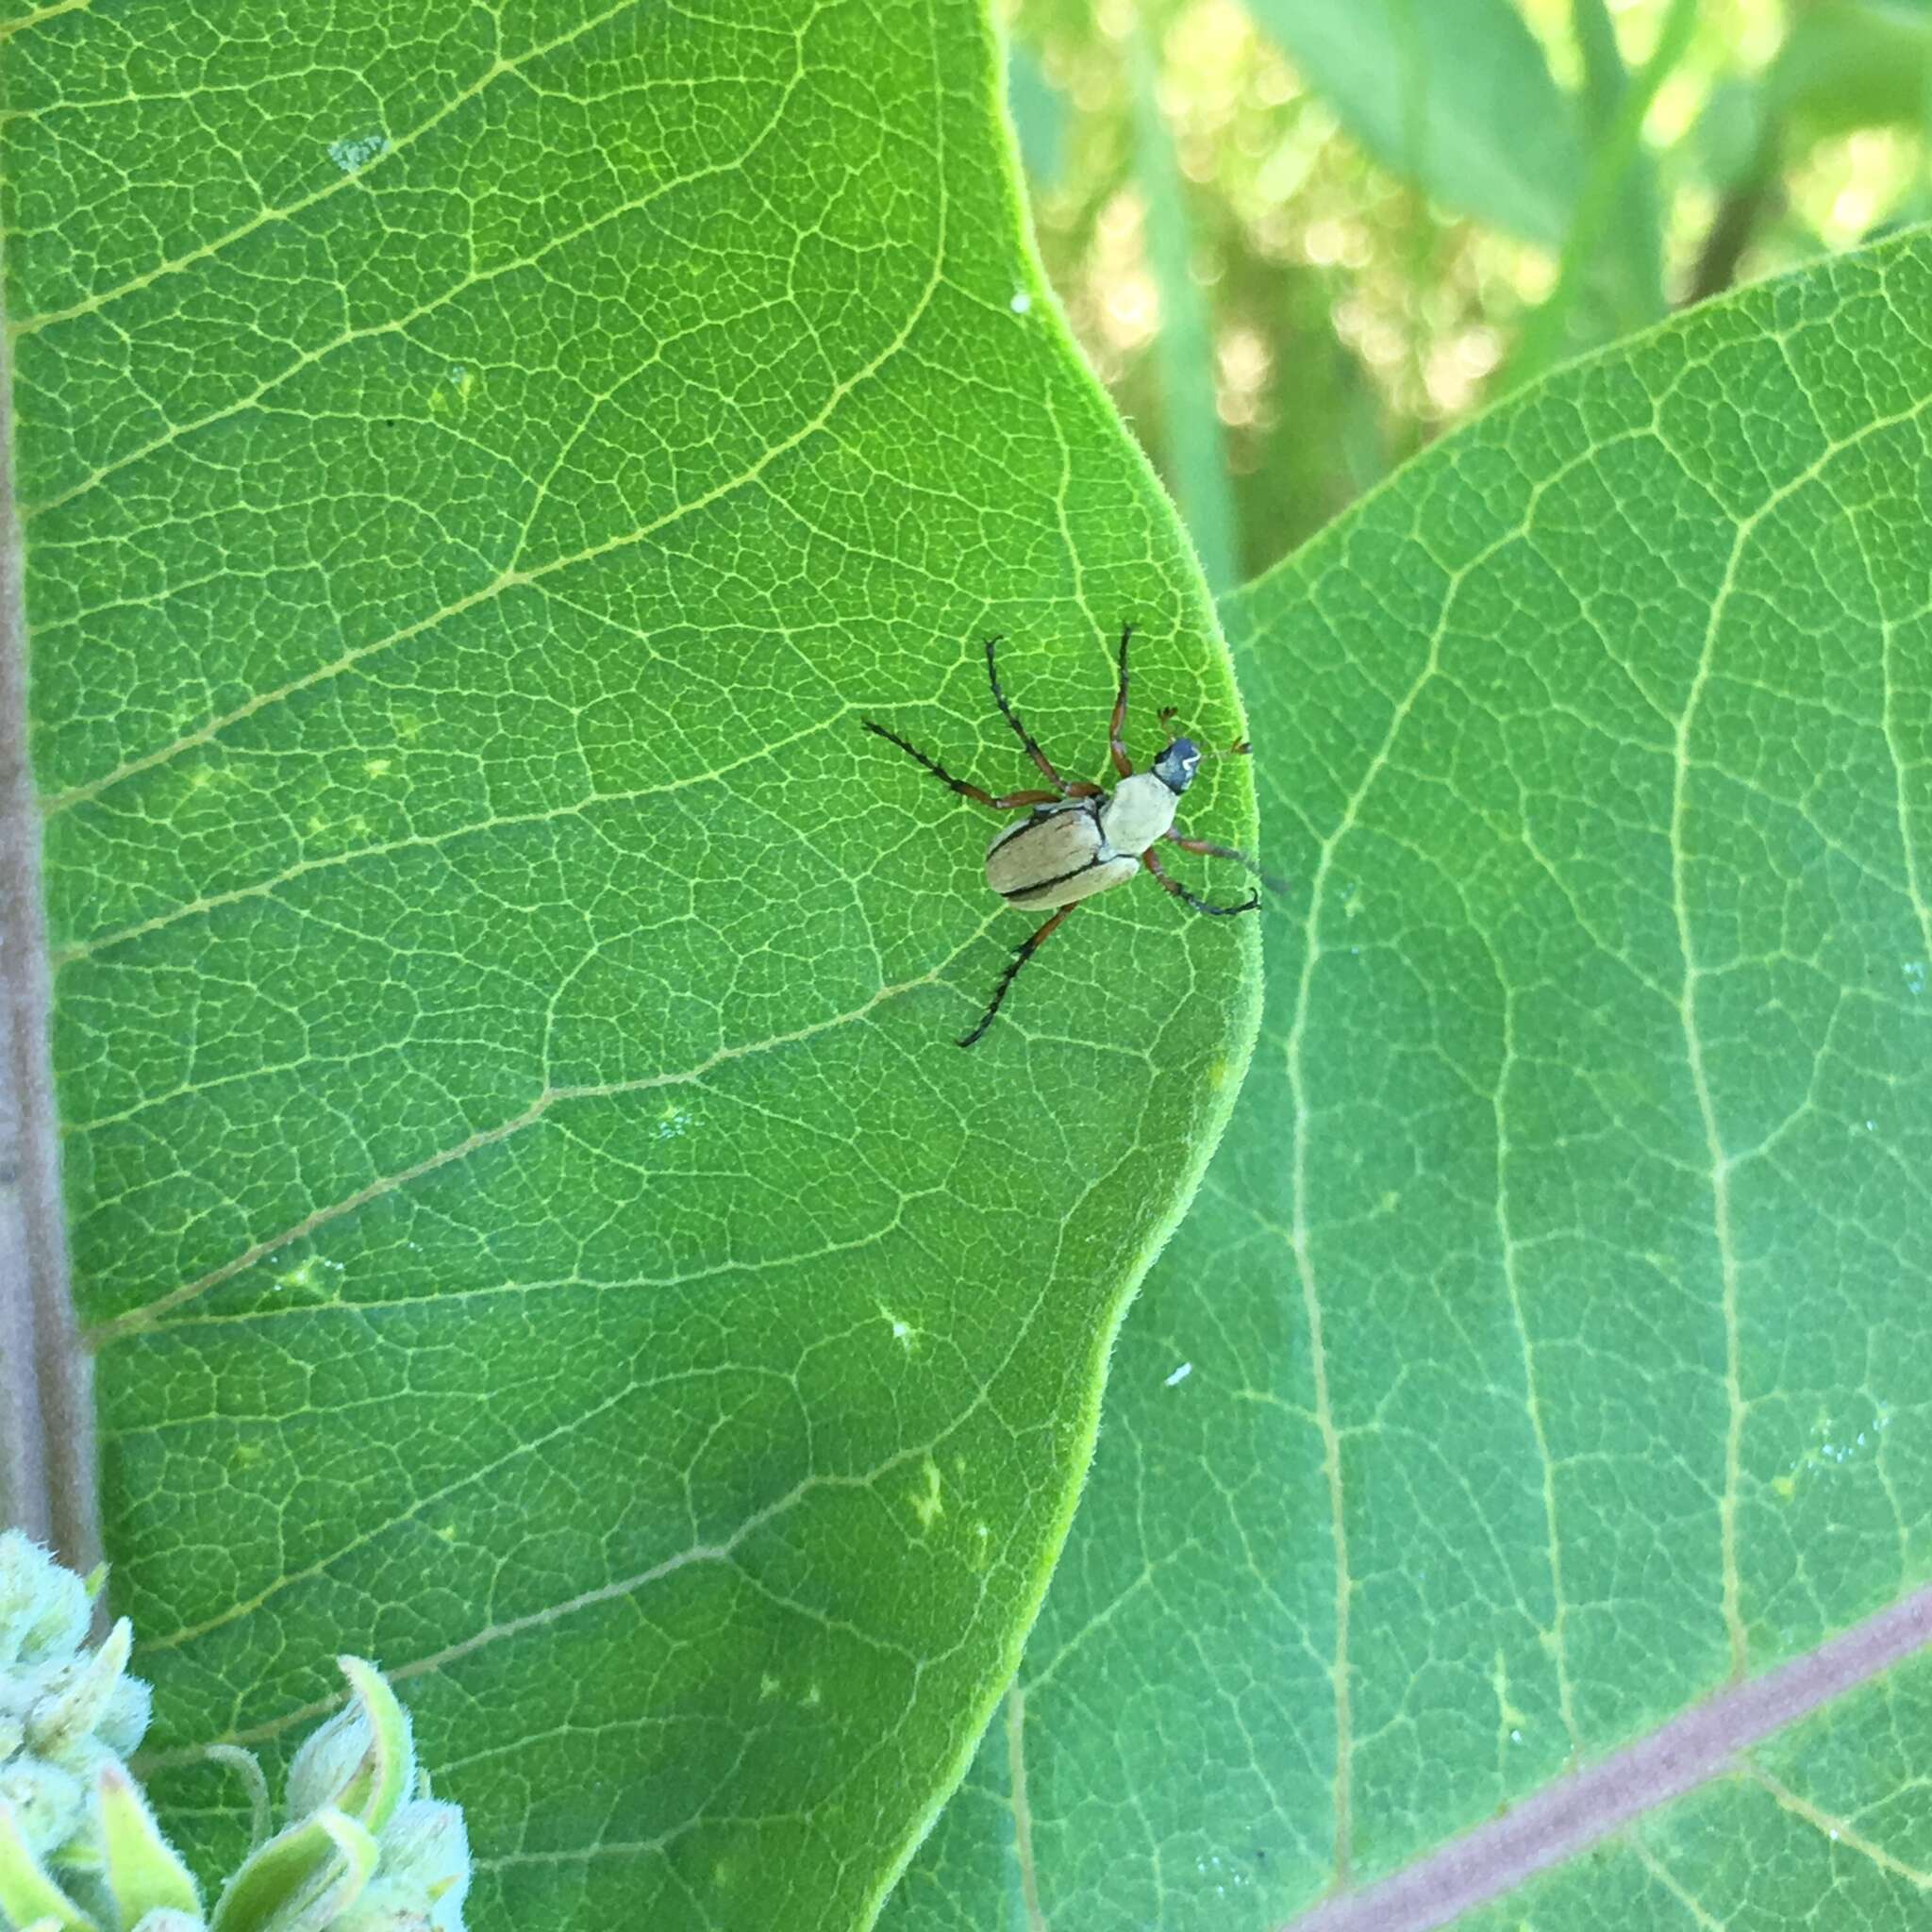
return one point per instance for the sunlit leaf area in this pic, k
(1347, 292)
(967, 966)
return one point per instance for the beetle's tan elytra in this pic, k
(1078, 839)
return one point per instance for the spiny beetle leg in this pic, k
(1022, 952)
(1012, 718)
(1251, 904)
(1006, 801)
(1207, 849)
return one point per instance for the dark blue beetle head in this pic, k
(1176, 767)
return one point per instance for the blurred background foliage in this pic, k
(1298, 238)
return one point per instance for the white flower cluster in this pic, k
(365, 1847)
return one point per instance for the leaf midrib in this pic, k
(1569, 1816)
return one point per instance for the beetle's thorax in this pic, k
(1140, 811)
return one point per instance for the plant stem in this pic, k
(1540, 342)
(46, 1397)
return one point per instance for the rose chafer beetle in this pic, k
(1078, 839)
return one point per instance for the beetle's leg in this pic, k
(1121, 762)
(1006, 801)
(1207, 849)
(1033, 751)
(1251, 904)
(1068, 788)
(1022, 952)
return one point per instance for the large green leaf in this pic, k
(1853, 63)
(1454, 95)
(1612, 247)
(1549, 1347)
(479, 467)
(1184, 350)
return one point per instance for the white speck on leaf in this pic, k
(1915, 975)
(349, 155)
(1022, 302)
(1180, 1374)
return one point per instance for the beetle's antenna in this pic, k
(1116, 729)
(1022, 952)
(1242, 750)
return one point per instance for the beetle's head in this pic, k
(1176, 767)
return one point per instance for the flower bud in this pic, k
(327, 1761)
(365, 1847)
(362, 1761)
(142, 1873)
(75, 1695)
(44, 1610)
(49, 1804)
(426, 1843)
(67, 1711)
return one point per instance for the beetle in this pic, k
(1079, 839)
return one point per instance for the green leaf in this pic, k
(1853, 63)
(1629, 271)
(1184, 350)
(537, 1230)
(1548, 1349)
(1613, 183)
(1040, 114)
(1454, 95)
